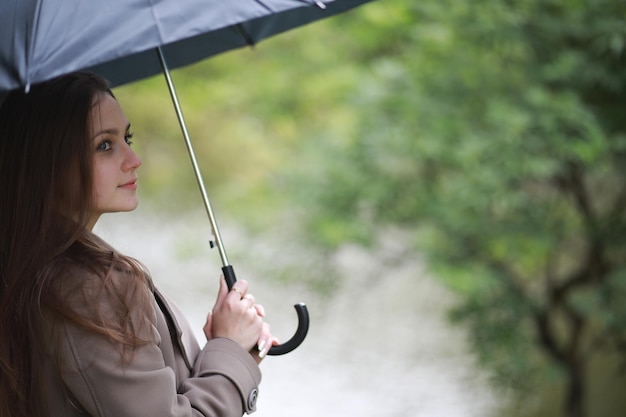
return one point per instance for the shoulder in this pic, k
(95, 286)
(84, 285)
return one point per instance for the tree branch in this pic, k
(576, 185)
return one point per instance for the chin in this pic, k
(128, 207)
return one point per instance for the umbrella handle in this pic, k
(227, 269)
(301, 311)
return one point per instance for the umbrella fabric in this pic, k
(42, 39)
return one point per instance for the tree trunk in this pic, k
(575, 396)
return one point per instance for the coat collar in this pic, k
(184, 334)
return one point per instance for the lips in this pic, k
(131, 185)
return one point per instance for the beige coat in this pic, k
(169, 376)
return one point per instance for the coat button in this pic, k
(252, 399)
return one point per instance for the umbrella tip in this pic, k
(319, 4)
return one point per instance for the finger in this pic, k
(239, 289)
(222, 292)
(259, 310)
(250, 299)
(265, 341)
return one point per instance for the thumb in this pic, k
(207, 327)
(222, 292)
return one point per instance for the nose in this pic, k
(131, 160)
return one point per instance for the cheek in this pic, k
(99, 182)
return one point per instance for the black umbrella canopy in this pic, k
(127, 40)
(116, 38)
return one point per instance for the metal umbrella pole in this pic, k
(227, 269)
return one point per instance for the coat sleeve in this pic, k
(222, 382)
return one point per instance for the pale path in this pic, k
(379, 347)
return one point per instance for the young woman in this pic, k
(83, 331)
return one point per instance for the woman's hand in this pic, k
(236, 316)
(266, 341)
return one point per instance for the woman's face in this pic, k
(114, 162)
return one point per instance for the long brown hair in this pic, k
(45, 201)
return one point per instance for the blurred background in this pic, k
(442, 183)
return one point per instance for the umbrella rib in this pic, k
(30, 45)
(265, 6)
(245, 34)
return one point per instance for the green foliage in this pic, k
(494, 130)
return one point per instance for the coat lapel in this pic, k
(183, 334)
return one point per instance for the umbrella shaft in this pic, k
(192, 156)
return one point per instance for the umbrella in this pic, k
(42, 39)
(126, 40)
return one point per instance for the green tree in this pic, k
(495, 130)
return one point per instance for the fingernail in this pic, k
(261, 346)
(262, 353)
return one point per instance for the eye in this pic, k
(105, 145)
(128, 138)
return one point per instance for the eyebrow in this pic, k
(113, 131)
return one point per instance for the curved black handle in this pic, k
(301, 311)
(298, 337)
